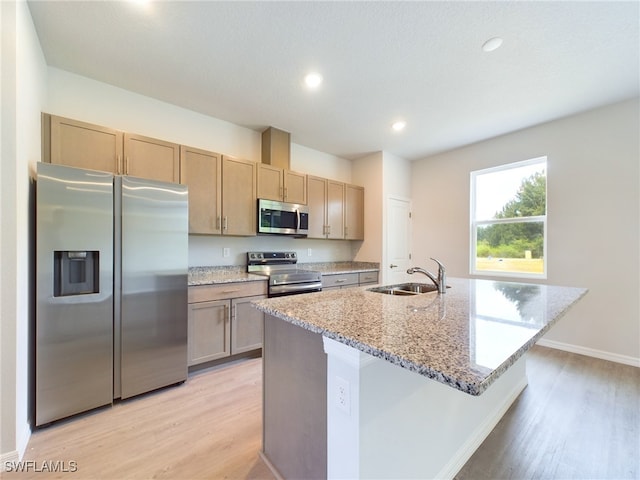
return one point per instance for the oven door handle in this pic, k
(295, 288)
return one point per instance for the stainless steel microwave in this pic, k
(280, 218)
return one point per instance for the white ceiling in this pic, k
(420, 61)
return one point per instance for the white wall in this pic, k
(593, 218)
(81, 98)
(23, 90)
(368, 172)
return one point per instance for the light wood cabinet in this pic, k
(246, 325)
(295, 187)
(208, 327)
(84, 145)
(275, 183)
(335, 209)
(238, 196)
(332, 281)
(354, 212)
(151, 158)
(81, 145)
(326, 208)
(201, 171)
(222, 321)
(317, 203)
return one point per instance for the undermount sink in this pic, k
(405, 289)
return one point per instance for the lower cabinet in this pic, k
(345, 280)
(222, 321)
(246, 325)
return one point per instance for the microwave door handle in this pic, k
(297, 220)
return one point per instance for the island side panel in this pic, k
(295, 400)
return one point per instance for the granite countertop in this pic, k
(331, 268)
(213, 275)
(465, 338)
(238, 273)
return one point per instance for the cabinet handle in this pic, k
(218, 222)
(393, 266)
(224, 227)
(118, 164)
(285, 193)
(126, 166)
(231, 291)
(345, 231)
(342, 280)
(281, 192)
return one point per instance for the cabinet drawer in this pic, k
(206, 293)
(340, 280)
(367, 277)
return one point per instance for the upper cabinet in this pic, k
(238, 196)
(82, 145)
(201, 171)
(275, 183)
(326, 208)
(222, 190)
(353, 212)
(151, 158)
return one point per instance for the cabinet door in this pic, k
(354, 213)
(246, 325)
(238, 197)
(81, 145)
(201, 172)
(151, 158)
(270, 182)
(295, 187)
(335, 209)
(317, 203)
(209, 335)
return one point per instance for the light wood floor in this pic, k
(578, 419)
(208, 428)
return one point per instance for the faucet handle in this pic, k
(440, 265)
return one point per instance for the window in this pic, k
(509, 220)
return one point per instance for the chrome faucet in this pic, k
(440, 281)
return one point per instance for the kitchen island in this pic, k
(359, 384)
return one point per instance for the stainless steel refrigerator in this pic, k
(111, 288)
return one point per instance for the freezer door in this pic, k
(154, 262)
(74, 291)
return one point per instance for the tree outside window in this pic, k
(508, 219)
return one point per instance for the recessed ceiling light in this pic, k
(313, 80)
(399, 125)
(492, 44)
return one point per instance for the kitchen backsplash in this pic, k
(211, 250)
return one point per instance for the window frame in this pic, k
(474, 223)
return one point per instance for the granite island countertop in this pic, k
(465, 338)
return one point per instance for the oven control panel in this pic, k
(271, 257)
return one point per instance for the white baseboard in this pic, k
(590, 352)
(23, 440)
(17, 454)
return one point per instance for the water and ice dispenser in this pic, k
(76, 272)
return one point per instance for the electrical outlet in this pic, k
(309, 252)
(343, 395)
(226, 252)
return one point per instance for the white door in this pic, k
(398, 254)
